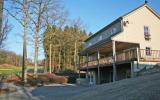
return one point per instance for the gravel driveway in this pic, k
(141, 88)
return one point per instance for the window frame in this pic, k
(148, 51)
(147, 34)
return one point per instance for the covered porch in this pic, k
(107, 56)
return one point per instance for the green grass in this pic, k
(16, 70)
(10, 71)
(39, 69)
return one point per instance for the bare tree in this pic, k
(78, 25)
(24, 70)
(44, 12)
(5, 27)
(19, 9)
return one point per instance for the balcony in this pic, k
(126, 56)
(153, 56)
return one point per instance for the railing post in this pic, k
(114, 61)
(98, 57)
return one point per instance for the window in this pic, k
(111, 32)
(100, 37)
(148, 51)
(114, 30)
(147, 35)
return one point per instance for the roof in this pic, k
(121, 17)
(104, 28)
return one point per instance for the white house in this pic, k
(124, 47)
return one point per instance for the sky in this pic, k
(95, 14)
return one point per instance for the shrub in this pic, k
(13, 79)
(71, 74)
(60, 79)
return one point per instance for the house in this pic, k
(122, 48)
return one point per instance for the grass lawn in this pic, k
(10, 71)
(16, 70)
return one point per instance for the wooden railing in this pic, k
(152, 55)
(125, 56)
(130, 55)
(104, 61)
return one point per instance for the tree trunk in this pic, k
(50, 58)
(59, 66)
(53, 61)
(36, 52)
(24, 70)
(64, 56)
(38, 24)
(69, 58)
(45, 65)
(75, 55)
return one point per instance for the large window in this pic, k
(147, 34)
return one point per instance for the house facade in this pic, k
(122, 48)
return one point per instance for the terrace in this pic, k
(131, 52)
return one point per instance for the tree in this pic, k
(44, 12)
(5, 27)
(19, 9)
(63, 45)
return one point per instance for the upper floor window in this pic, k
(148, 51)
(114, 30)
(100, 37)
(147, 34)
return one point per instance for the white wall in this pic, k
(142, 65)
(134, 31)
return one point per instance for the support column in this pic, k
(132, 69)
(87, 67)
(138, 56)
(114, 61)
(98, 57)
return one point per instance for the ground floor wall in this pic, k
(123, 71)
(139, 66)
(106, 73)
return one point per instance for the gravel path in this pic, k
(141, 88)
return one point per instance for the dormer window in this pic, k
(147, 34)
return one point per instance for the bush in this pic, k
(60, 79)
(13, 79)
(70, 74)
(46, 79)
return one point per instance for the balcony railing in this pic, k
(130, 55)
(152, 55)
(125, 56)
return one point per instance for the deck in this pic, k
(132, 55)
